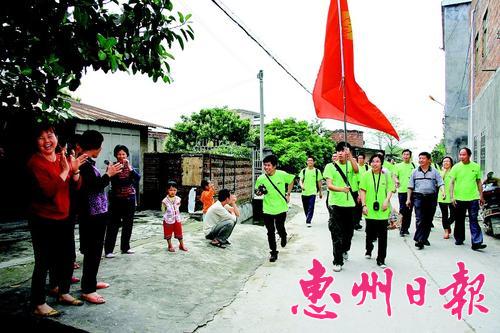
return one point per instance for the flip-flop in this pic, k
(52, 314)
(75, 302)
(222, 246)
(97, 299)
(102, 285)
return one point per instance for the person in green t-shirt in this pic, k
(273, 184)
(341, 202)
(310, 183)
(466, 194)
(376, 189)
(358, 213)
(447, 209)
(402, 173)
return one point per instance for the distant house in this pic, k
(253, 116)
(17, 145)
(356, 139)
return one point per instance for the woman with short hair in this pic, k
(122, 204)
(52, 174)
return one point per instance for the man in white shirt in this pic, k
(220, 219)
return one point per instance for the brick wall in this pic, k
(355, 138)
(487, 56)
(232, 173)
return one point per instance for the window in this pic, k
(474, 151)
(484, 37)
(483, 151)
(476, 52)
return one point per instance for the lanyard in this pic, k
(377, 186)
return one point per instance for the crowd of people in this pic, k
(68, 188)
(356, 189)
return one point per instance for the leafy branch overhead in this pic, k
(46, 46)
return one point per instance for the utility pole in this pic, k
(260, 76)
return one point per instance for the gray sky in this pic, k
(397, 58)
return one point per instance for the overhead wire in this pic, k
(239, 23)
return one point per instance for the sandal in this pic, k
(74, 301)
(171, 249)
(218, 244)
(51, 314)
(183, 248)
(102, 285)
(95, 299)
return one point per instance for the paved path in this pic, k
(264, 304)
(237, 290)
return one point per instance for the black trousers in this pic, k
(122, 215)
(273, 223)
(53, 247)
(425, 207)
(358, 211)
(405, 212)
(447, 214)
(341, 228)
(92, 229)
(376, 230)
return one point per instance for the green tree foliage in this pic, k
(46, 46)
(438, 152)
(292, 141)
(209, 127)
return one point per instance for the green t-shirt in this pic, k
(403, 171)
(362, 169)
(310, 180)
(274, 203)
(465, 185)
(447, 180)
(341, 199)
(389, 166)
(385, 186)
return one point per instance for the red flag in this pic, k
(328, 92)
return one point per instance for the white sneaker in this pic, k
(337, 268)
(129, 252)
(110, 255)
(368, 256)
(345, 255)
(383, 266)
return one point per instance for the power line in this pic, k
(225, 11)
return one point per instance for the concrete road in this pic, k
(264, 304)
(238, 290)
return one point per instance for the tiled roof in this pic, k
(92, 113)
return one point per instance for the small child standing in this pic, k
(207, 196)
(172, 217)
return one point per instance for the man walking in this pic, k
(423, 189)
(402, 173)
(220, 219)
(273, 185)
(310, 183)
(341, 202)
(466, 193)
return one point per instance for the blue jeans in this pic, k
(308, 202)
(425, 207)
(475, 230)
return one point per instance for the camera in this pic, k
(261, 190)
(376, 206)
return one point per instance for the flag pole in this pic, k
(341, 34)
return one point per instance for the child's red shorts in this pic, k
(169, 229)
